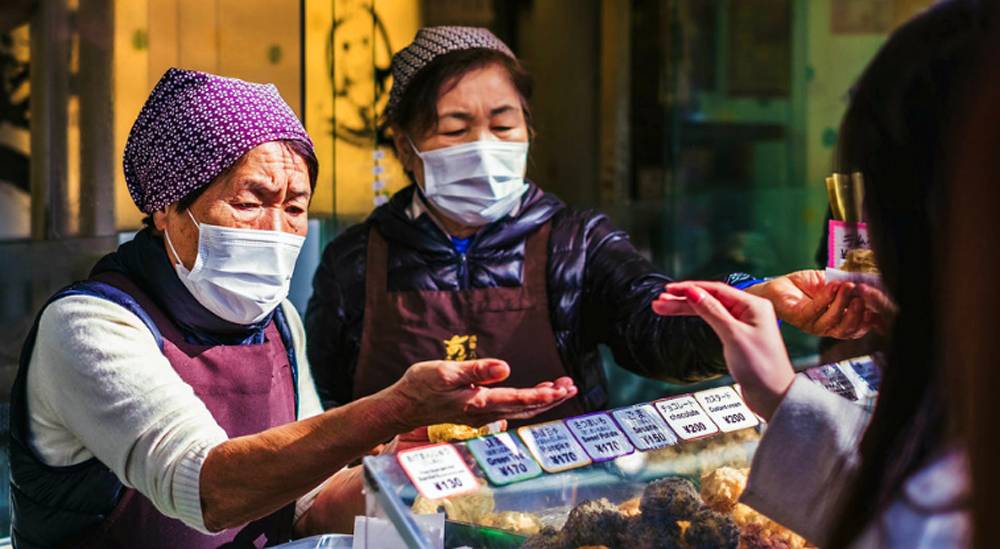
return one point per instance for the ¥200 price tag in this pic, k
(685, 417)
(553, 446)
(600, 437)
(503, 458)
(644, 427)
(437, 471)
(727, 409)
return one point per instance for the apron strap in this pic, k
(376, 271)
(536, 263)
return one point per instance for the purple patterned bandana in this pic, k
(195, 125)
(431, 42)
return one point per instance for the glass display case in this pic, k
(647, 475)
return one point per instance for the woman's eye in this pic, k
(454, 133)
(502, 128)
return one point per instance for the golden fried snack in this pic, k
(451, 432)
(859, 260)
(630, 507)
(721, 488)
(471, 508)
(513, 521)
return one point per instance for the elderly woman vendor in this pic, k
(473, 260)
(166, 401)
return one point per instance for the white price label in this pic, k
(727, 409)
(834, 380)
(600, 437)
(553, 446)
(644, 427)
(685, 417)
(503, 458)
(437, 471)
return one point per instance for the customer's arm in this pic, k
(809, 449)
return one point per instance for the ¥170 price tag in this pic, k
(644, 427)
(600, 437)
(503, 458)
(437, 471)
(685, 417)
(727, 409)
(553, 446)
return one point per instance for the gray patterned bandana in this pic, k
(431, 42)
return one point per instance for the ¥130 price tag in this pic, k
(600, 437)
(503, 458)
(553, 446)
(644, 427)
(727, 409)
(437, 471)
(685, 417)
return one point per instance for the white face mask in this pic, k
(241, 275)
(475, 183)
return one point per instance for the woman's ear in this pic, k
(404, 150)
(160, 218)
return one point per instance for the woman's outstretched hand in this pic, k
(747, 325)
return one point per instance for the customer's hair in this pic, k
(897, 132)
(297, 147)
(972, 299)
(417, 114)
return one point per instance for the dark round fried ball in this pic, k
(669, 500)
(594, 522)
(754, 536)
(547, 538)
(643, 534)
(711, 530)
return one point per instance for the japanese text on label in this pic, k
(437, 471)
(727, 409)
(600, 437)
(644, 427)
(503, 458)
(553, 446)
(686, 417)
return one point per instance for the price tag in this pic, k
(553, 446)
(834, 380)
(437, 471)
(866, 369)
(685, 417)
(644, 427)
(503, 458)
(726, 409)
(600, 437)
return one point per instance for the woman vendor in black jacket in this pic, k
(474, 260)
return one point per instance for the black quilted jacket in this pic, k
(599, 290)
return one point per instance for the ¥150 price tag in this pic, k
(600, 437)
(437, 471)
(727, 409)
(503, 458)
(685, 417)
(644, 427)
(553, 446)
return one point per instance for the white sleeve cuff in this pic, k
(187, 486)
(305, 502)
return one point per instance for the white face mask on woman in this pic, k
(475, 183)
(241, 275)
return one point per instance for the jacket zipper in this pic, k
(463, 272)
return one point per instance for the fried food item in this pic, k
(547, 538)
(721, 488)
(451, 432)
(471, 508)
(711, 530)
(668, 500)
(514, 521)
(630, 507)
(756, 536)
(594, 522)
(860, 260)
(644, 534)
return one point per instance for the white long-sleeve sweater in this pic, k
(98, 386)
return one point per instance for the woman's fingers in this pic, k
(672, 305)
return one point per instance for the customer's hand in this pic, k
(454, 392)
(751, 342)
(807, 301)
